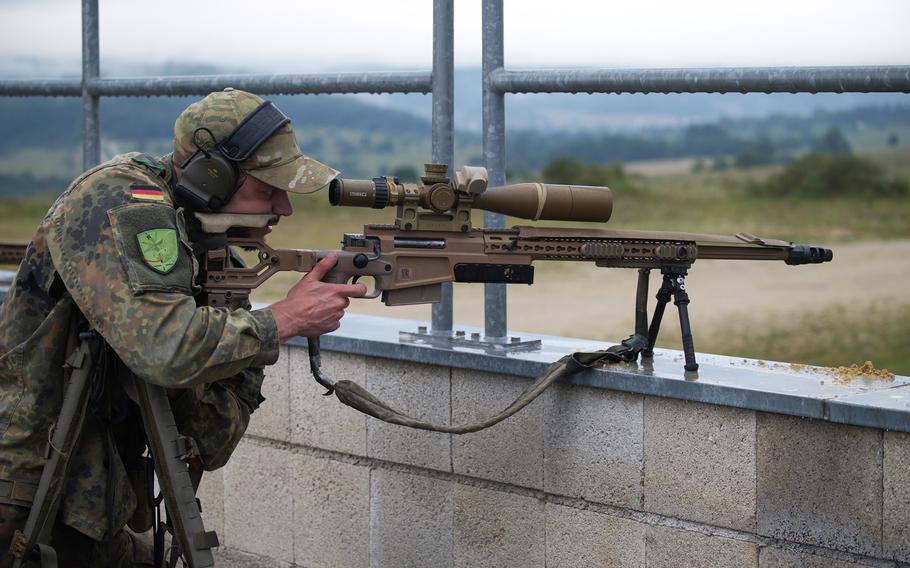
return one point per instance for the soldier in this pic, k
(117, 253)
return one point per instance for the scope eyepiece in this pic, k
(335, 191)
(359, 192)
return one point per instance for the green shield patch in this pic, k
(159, 248)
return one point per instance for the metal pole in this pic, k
(443, 122)
(91, 130)
(494, 152)
(881, 79)
(867, 79)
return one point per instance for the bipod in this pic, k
(673, 286)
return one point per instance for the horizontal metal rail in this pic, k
(888, 79)
(41, 88)
(286, 84)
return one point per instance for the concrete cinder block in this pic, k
(258, 507)
(211, 497)
(494, 529)
(511, 451)
(594, 445)
(410, 520)
(585, 538)
(700, 462)
(331, 513)
(770, 557)
(322, 421)
(271, 419)
(668, 547)
(896, 512)
(230, 558)
(420, 391)
(819, 483)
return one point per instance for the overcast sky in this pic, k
(302, 36)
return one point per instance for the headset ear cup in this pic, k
(208, 181)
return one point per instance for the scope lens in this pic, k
(335, 192)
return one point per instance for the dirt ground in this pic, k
(578, 300)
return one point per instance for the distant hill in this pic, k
(370, 135)
(56, 122)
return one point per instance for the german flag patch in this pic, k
(147, 193)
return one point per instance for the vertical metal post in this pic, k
(494, 152)
(91, 132)
(443, 122)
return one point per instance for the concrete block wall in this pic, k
(582, 477)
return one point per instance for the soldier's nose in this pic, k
(281, 204)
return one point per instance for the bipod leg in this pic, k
(663, 297)
(630, 347)
(681, 299)
(641, 303)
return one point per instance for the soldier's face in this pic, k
(257, 197)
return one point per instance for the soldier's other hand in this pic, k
(314, 307)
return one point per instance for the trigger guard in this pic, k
(374, 294)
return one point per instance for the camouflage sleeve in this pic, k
(216, 415)
(121, 250)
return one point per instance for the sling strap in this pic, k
(34, 539)
(359, 398)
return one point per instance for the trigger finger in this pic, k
(323, 266)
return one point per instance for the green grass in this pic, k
(43, 162)
(839, 335)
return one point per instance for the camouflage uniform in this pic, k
(86, 259)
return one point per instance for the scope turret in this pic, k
(535, 201)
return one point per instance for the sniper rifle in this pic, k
(432, 242)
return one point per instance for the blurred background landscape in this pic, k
(824, 169)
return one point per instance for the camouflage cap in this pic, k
(277, 162)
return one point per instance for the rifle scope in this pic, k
(535, 201)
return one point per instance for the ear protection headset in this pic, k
(210, 176)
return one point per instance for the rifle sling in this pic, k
(357, 397)
(64, 439)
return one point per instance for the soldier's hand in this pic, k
(314, 307)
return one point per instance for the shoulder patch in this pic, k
(146, 192)
(159, 248)
(152, 248)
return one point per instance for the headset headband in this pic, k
(252, 132)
